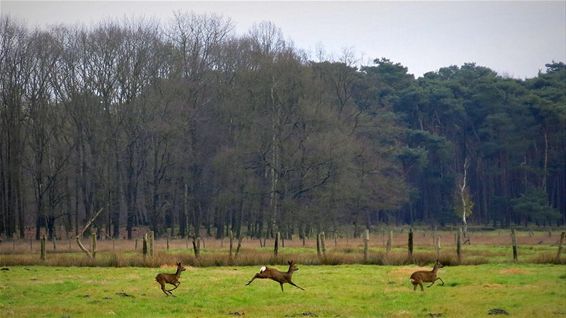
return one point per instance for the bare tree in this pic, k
(15, 68)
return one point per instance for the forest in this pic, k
(188, 128)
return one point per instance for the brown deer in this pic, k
(420, 277)
(172, 279)
(273, 274)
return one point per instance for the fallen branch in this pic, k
(81, 246)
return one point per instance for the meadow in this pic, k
(522, 290)
(341, 282)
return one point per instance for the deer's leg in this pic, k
(414, 287)
(435, 281)
(281, 286)
(421, 284)
(296, 285)
(176, 285)
(163, 289)
(252, 280)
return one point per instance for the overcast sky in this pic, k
(513, 38)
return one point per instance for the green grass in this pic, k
(524, 290)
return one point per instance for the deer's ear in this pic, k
(290, 262)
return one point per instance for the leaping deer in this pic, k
(420, 277)
(172, 279)
(274, 274)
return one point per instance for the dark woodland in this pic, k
(186, 127)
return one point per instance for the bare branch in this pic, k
(81, 246)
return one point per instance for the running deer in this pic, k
(273, 274)
(420, 277)
(172, 279)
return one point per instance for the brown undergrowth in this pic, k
(124, 253)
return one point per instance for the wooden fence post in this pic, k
(151, 243)
(389, 242)
(43, 248)
(144, 245)
(231, 236)
(459, 245)
(366, 243)
(437, 247)
(514, 241)
(560, 247)
(239, 246)
(323, 243)
(318, 244)
(276, 244)
(411, 243)
(93, 245)
(196, 246)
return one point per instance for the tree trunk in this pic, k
(463, 197)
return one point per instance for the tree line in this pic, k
(186, 127)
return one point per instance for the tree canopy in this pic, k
(187, 127)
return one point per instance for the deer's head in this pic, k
(292, 266)
(180, 267)
(438, 264)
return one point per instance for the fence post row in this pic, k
(149, 244)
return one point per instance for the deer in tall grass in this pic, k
(420, 277)
(274, 274)
(172, 279)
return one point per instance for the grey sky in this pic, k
(512, 38)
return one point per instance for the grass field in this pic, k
(523, 290)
